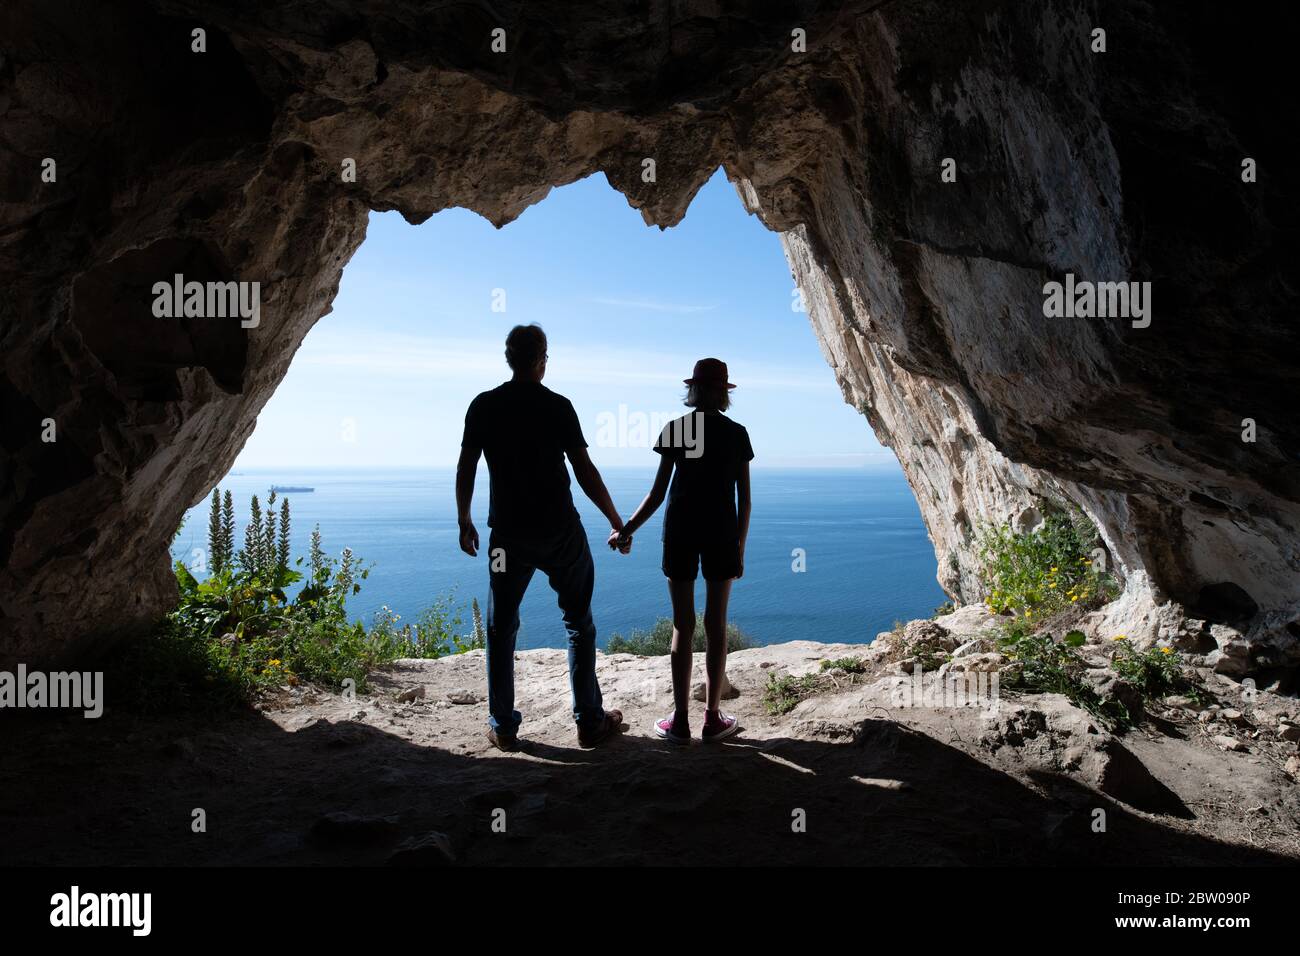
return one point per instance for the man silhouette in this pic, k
(525, 430)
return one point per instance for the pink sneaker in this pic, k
(718, 725)
(664, 729)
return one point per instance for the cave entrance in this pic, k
(369, 415)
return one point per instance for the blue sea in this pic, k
(868, 560)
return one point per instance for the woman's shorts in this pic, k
(718, 556)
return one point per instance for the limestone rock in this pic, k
(926, 297)
(1058, 737)
(729, 690)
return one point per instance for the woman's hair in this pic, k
(708, 397)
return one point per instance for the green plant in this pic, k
(1044, 665)
(783, 693)
(1156, 672)
(479, 638)
(239, 627)
(659, 640)
(851, 665)
(433, 633)
(1042, 571)
(947, 607)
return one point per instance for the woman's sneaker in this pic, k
(664, 729)
(718, 725)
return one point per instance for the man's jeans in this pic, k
(565, 559)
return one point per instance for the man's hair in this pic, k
(525, 347)
(713, 397)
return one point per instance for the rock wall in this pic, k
(925, 295)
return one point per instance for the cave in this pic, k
(930, 167)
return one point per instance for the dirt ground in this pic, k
(846, 777)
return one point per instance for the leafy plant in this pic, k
(1156, 672)
(242, 630)
(659, 640)
(783, 693)
(1042, 571)
(1047, 666)
(851, 665)
(432, 634)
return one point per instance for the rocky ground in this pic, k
(404, 775)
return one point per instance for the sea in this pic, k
(834, 555)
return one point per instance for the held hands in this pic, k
(620, 540)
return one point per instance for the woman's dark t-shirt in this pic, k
(708, 450)
(524, 430)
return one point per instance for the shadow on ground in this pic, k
(122, 790)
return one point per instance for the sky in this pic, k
(416, 332)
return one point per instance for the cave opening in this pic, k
(365, 426)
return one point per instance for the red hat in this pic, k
(709, 371)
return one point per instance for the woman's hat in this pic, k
(709, 371)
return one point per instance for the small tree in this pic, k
(317, 557)
(228, 527)
(251, 556)
(480, 636)
(269, 555)
(216, 544)
(283, 555)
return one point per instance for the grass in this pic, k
(659, 640)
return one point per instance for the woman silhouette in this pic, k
(706, 455)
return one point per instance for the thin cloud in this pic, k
(651, 305)
(471, 361)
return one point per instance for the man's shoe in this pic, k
(503, 741)
(612, 724)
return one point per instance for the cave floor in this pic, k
(890, 787)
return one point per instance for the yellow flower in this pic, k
(1166, 650)
(1053, 570)
(1120, 637)
(274, 662)
(1073, 599)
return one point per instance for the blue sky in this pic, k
(383, 381)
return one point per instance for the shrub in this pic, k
(238, 633)
(1042, 571)
(432, 634)
(659, 640)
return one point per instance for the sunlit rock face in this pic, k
(926, 295)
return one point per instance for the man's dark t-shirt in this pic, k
(524, 430)
(708, 450)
